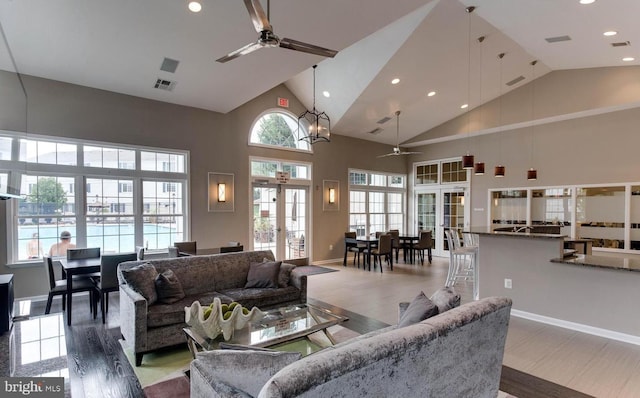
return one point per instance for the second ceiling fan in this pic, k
(396, 149)
(269, 39)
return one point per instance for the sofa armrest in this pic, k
(299, 281)
(225, 372)
(133, 318)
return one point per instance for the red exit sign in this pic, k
(283, 102)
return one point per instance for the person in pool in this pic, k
(60, 248)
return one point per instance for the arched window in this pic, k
(276, 128)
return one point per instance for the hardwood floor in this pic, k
(540, 360)
(589, 364)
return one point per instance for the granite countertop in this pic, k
(523, 234)
(625, 264)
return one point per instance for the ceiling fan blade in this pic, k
(241, 51)
(258, 17)
(306, 47)
(388, 154)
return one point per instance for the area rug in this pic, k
(313, 270)
(160, 365)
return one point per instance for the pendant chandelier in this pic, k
(499, 170)
(532, 173)
(478, 168)
(317, 124)
(468, 159)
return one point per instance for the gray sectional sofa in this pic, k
(457, 353)
(147, 324)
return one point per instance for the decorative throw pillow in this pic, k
(420, 309)
(285, 274)
(168, 287)
(446, 299)
(142, 279)
(263, 275)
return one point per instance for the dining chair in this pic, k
(351, 246)
(140, 252)
(186, 248)
(58, 287)
(87, 252)
(108, 281)
(395, 241)
(425, 243)
(383, 250)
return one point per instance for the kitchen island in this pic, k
(593, 294)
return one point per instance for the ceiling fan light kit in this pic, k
(269, 39)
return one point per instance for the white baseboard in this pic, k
(606, 333)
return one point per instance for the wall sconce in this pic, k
(221, 192)
(330, 195)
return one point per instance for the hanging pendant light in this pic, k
(478, 168)
(499, 170)
(315, 122)
(532, 174)
(468, 159)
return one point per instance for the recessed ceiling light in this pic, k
(464, 106)
(587, 1)
(610, 33)
(628, 59)
(326, 94)
(195, 6)
(395, 81)
(431, 93)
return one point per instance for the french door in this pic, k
(280, 219)
(439, 210)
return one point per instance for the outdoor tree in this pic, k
(275, 131)
(48, 194)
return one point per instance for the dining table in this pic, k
(77, 267)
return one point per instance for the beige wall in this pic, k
(217, 142)
(595, 144)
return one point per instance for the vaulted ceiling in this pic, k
(430, 45)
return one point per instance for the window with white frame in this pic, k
(278, 128)
(440, 172)
(376, 202)
(57, 174)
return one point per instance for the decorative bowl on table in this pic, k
(210, 320)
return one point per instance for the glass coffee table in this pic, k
(287, 328)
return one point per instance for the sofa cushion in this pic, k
(419, 309)
(168, 287)
(142, 279)
(263, 275)
(285, 274)
(230, 367)
(161, 314)
(445, 299)
(263, 298)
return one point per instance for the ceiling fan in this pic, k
(269, 39)
(396, 149)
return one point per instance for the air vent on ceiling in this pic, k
(375, 131)
(384, 120)
(164, 84)
(621, 44)
(516, 80)
(169, 65)
(557, 39)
